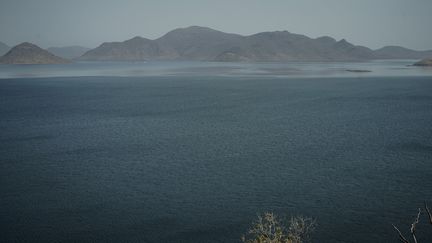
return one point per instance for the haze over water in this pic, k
(191, 152)
(375, 68)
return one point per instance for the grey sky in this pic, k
(373, 23)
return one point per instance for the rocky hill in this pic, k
(425, 62)
(27, 53)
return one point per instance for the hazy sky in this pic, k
(373, 23)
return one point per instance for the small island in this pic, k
(358, 71)
(424, 63)
(28, 53)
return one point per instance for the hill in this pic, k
(135, 49)
(27, 53)
(425, 62)
(398, 52)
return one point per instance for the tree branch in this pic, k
(401, 237)
(414, 224)
(428, 212)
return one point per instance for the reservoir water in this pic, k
(112, 154)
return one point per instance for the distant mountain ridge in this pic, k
(68, 52)
(3, 48)
(205, 44)
(27, 53)
(398, 52)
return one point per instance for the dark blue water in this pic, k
(165, 159)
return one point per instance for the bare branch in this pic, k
(428, 212)
(414, 224)
(300, 228)
(401, 237)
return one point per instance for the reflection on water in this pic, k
(173, 68)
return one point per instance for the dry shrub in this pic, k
(269, 229)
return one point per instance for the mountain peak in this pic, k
(272, 33)
(326, 39)
(343, 41)
(137, 38)
(192, 30)
(344, 44)
(27, 45)
(197, 28)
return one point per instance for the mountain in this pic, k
(68, 52)
(197, 43)
(398, 52)
(193, 43)
(135, 49)
(27, 53)
(286, 46)
(205, 44)
(424, 62)
(3, 48)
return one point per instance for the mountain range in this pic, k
(197, 43)
(205, 44)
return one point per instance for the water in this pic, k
(194, 158)
(378, 68)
